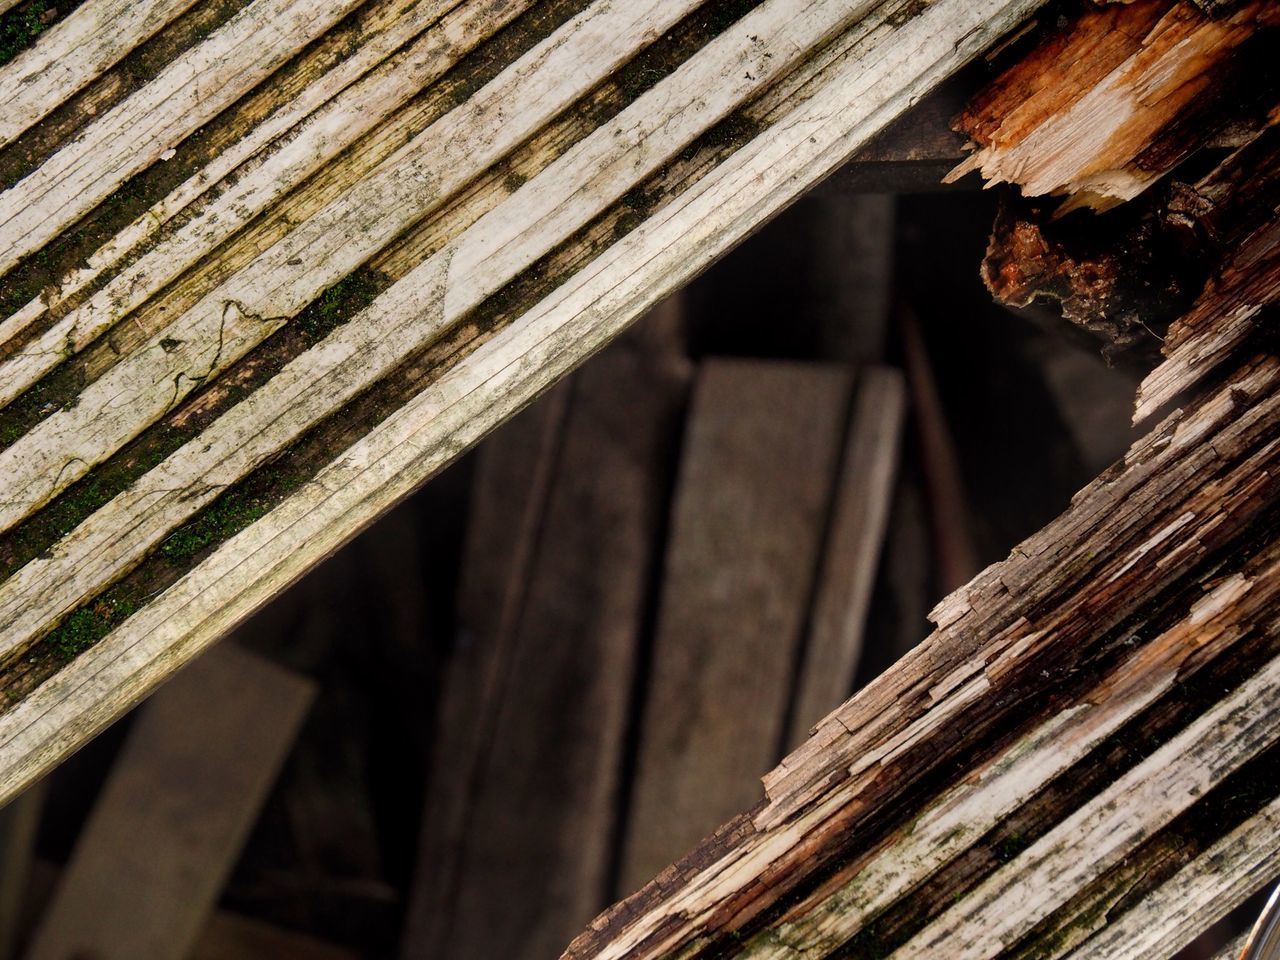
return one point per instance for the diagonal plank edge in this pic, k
(852, 68)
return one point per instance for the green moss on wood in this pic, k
(21, 25)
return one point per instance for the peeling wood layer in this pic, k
(1129, 81)
(1121, 642)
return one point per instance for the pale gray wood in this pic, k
(867, 65)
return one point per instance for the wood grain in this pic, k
(859, 517)
(705, 163)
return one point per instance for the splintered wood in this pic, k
(1129, 80)
(1081, 761)
(760, 616)
(1114, 683)
(1161, 274)
(269, 264)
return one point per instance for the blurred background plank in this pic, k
(756, 480)
(148, 869)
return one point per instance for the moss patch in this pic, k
(20, 26)
(330, 310)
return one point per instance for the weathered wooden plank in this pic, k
(151, 861)
(135, 134)
(514, 471)
(226, 936)
(327, 117)
(546, 720)
(689, 211)
(94, 37)
(860, 514)
(250, 305)
(1234, 868)
(1111, 825)
(1234, 949)
(756, 478)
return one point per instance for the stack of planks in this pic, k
(1081, 760)
(582, 746)
(266, 265)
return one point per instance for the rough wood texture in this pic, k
(1128, 80)
(1134, 638)
(541, 692)
(219, 370)
(76, 51)
(1122, 282)
(1144, 279)
(1081, 760)
(756, 476)
(165, 833)
(1235, 209)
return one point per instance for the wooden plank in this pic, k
(1235, 867)
(853, 276)
(327, 117)
(136, 133)
(912, 154)
(1111, 825)
(95, 36)
(548, 726)
(957, 557)
(163, 836)
(514, 471)
(860, 515)
(840, 74)
(756, 477)
(227, 935)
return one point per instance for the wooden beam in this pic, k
(227, 935)
(164, 834)
(243, 379)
